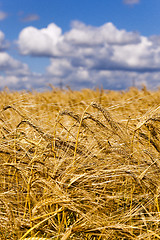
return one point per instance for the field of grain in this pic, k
(80, 165)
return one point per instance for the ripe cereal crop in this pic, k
(80, 165)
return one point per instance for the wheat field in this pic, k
(80, 164)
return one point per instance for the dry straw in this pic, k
(80, 165)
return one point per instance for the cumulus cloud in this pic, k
(25, 82)
(11, 70)
(9, 64)
(88, 56)
(99, 48)
(60, 68)
(80, 34)
(131, 2)
(17, 76)
(35, 42)
(50, 41)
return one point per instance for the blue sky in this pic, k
(87, 43)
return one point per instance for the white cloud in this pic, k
(81, 34)
(86, 56)
(60, 68)
(27, 82)
(39, 42)
(139, 57)
(13, 73)
(131, 2)
(9, 65)
(3, 15)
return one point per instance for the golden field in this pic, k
(80, 165)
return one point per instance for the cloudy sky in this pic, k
(86, 43)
